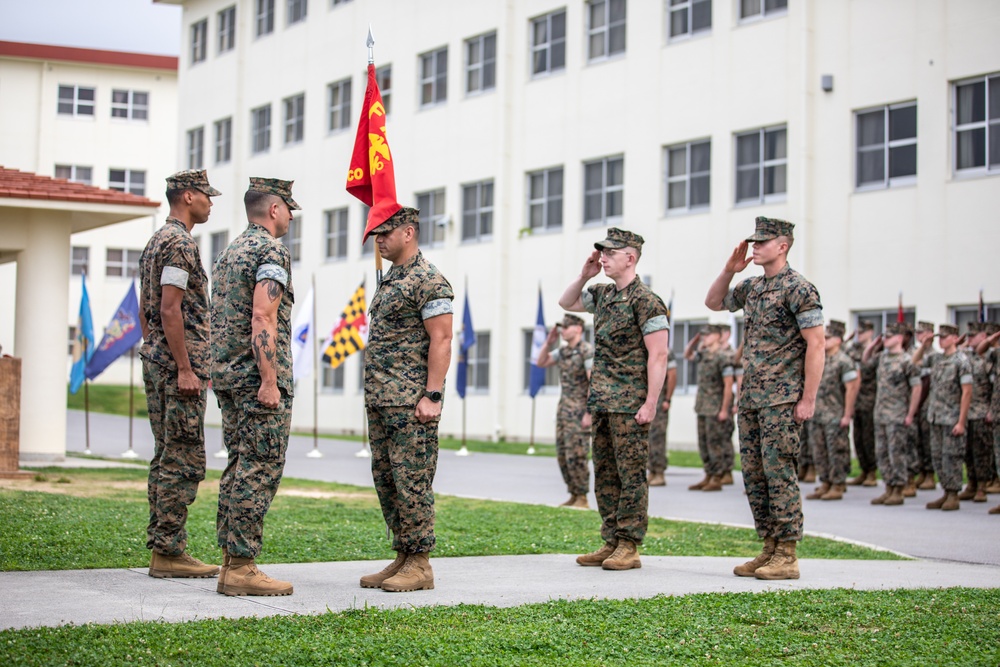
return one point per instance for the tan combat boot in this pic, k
(980, 496)
(871, 479)
(835, 493)
(656, 479)
(572, 499)
(859, 480)
(820, 490)
(969, 492)
(993, 486)
(714, 484)
(880, 500)
(700, 485)
(783, 564)
(182, 566)
(727, 478)
(595, 558)
(415, 575)
(939, 503)
(625, 557)
(910, 490)
(928, 483)
(994, 510)
(951, 502)
(895, 496)
(748, 568)
(219, 587)
(375, 580)
(810, 475)
(243, 578)
(580, 503)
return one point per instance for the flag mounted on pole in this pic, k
(981, 312)
(900, 317)
(538, 336)
(121, 335)
(302, 336)
(83, 346)
(466, 340)
(351, 333)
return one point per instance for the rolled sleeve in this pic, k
(808, 319)
(587, 299)
(174, 276)
(436, 307)
(848, 376)
(654, 324)
(272, 272)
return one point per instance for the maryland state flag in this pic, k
(351, 332)
(370, 177)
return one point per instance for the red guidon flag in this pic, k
(370, 177)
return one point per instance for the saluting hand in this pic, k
(739, 260)
(592, 266)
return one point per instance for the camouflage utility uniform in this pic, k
(979, 440)
(831, 447)
(948, 373)
(256, 436)
(572, 440)
(993, 360)
(775, 309)
(618, 388)
(864, 410)
(171, 257)
(713, 436)
(658, 456)
(896, 377)
(404, 451)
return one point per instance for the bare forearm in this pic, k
(718, 290)
(264, 340)
(571, 298)
(815, 358)
(671, 383)
(438, 360)
(173, 331)
(914, 402)
(963, 410)
(851, 397)
(727, 394)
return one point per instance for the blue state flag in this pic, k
(467, 340)
(83, 345)
(537, 378)
(122, 334)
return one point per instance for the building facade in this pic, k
(524, 129)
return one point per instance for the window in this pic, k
(127, 180)
(336, 233)
(977, 124)
(75, 174)
(887, 145)
(688, 17)
(434, 77)
(753, 9)
(72, 340)
(196, 148)
(680, 336)
(605, 28)
(297, 10)
(551, 373)
(481, 63)
(963, 315)
(603, 190)
(545, 198)
(432, 221)
(548, 43)
(295, 118)
(79, 262)
(76, 100)
(478, 378)
(880, 318)
(293, 239)
(219, 241)
(340, 104)
(122, 263)
(260, 129)
(223, 140)
(333, 379)
(368, 247)
(264, 17)
(688, 170)
(383, 76)
(761, 164)
(227, 29)
(130, 104)
(199, 40)
(477, 211)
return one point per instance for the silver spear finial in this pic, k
(370, 42)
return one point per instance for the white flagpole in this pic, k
(314, 453)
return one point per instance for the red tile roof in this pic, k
(94, 56)
(15, 184)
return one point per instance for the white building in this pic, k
(523, 129)
(103, 118)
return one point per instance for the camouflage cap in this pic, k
(947, 330)
(991, 328)
(771, 228)
(572, 321)
(973, 328)
(893, 328)
(865, 325)
(276, 187)
(191, 178)
(620, 238)
(405, 215)
(836, 328)
(925, 327)
(712, 329)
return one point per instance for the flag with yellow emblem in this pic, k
(351, 333)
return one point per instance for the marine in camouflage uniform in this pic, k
(830, 423)
(574, 361)
(658, 456)
(729, 456)
(713, 407)
(406, 360)
(630, 358)
(897, 400)
(174, 298)
(252, 297)
(979, 441)
(948, 410)
(925, 472)
(783, 362)
(864, 408)
(989, 350)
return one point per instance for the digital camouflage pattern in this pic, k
(769, 450)
(896, 378)
(993, 358)
(572, 440)
(658, 456)
(979, 436)
(191, 178)
(948, 453)
(172, 257)
(713, 369)
(276, 187)
(948, 374)
(838, 370)
(774, 311)
(713, 439)
(398, 342)
(257, 440)
(981, 386)
(252, 257)
(893, 451)
(766, 229)
(866, 392)
(620, 238)
(178, 463)
(621, 450)
(864, 410)
(404, 462)
(831, 450)
(621, 320)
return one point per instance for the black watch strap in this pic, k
(435, 396)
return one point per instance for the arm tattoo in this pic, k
(273, 288)
(262, 349)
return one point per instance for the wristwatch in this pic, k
(435, 396)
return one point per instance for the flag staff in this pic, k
(370, 43)
(463, 450)
(130, 453)
(86, 402)
(314, 453)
